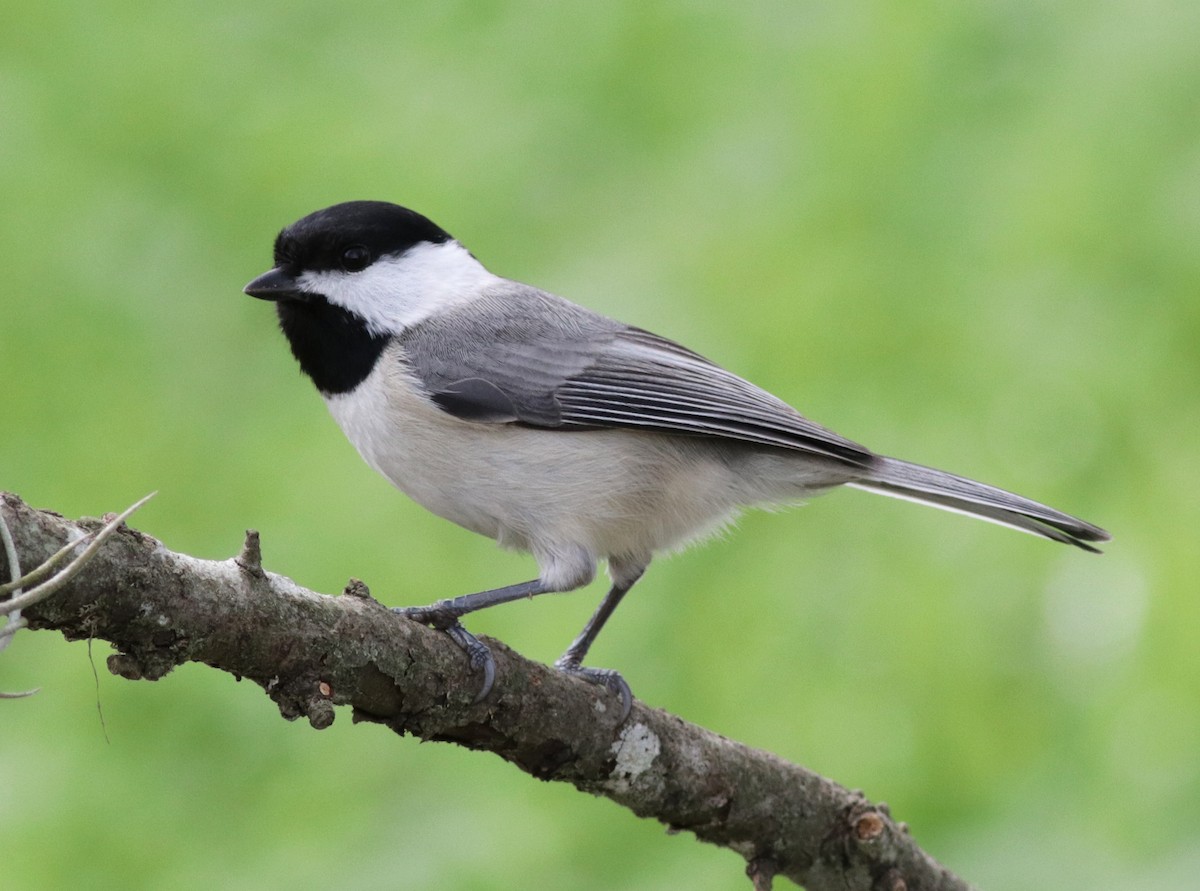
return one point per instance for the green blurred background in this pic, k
(964, 234)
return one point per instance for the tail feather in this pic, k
(900, 479)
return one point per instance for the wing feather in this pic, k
(520, 355)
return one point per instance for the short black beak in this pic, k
(275, 284)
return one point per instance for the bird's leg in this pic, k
(571, 662)
(444, 615)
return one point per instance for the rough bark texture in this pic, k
(311, 652)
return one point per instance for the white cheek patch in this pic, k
(396, 292)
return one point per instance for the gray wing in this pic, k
(522, 356)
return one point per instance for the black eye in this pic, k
(356, 258)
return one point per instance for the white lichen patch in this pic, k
(635, 750)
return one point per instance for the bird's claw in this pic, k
(479, 657)
(608, 678)
(444, 617)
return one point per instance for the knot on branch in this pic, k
(357, 588)
(250, 558)
(143, 666)
(867, 835)
(762, 871)
(303, 697)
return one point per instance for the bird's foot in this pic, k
(608, 678)
(444, 617)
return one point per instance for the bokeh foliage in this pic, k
(965, 234)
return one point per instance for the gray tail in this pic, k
(913, 482)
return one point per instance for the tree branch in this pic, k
(311, 653)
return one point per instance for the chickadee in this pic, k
(552, 429)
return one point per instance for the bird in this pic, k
(553, 429)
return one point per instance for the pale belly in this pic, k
(609, 492)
